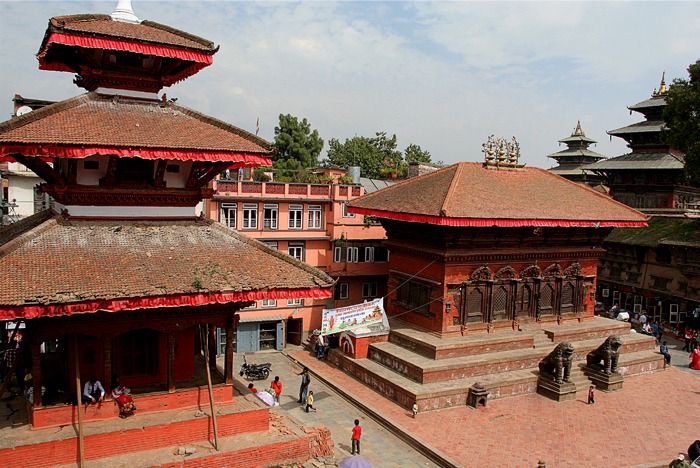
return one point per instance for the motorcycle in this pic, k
(255, 371)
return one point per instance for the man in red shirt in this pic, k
(356, 434)
(276, 385)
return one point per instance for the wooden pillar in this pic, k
(107, 378)
(228, 358)
(36, 367)
(171, 362)
(211, 330)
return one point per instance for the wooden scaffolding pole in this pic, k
(211, 390)
(81, 442)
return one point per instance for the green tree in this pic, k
(370, 154)
(296, 147)
(414, 153)
(682, 116)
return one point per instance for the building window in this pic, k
(250, 216)
(415, 297)
(269, 303)
(270, 213)
(353, 254)
(369, 254)
(227, 215)
(660, 282)
(369, 290)
(271, 244)
(295, 302)
(315, 216)
(345, 211)
(296, 213)
(338, 254)
(296, 251)
(342, 291)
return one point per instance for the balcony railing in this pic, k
(226, 188)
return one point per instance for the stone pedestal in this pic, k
(478, 395)
(602, 381)
(564, 391)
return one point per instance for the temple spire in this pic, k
(124, 12)
(662, 86)
(578, 131)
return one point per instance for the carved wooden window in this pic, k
(500, 304)
(524, 300)
(546, 299)
(475, 305)
(567, 298)
(415, 297)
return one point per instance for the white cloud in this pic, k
(443, 75)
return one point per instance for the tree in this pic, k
(296, 146)
(414, 153)
(372, 155)
(682, 116)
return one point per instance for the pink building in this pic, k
(310, 222)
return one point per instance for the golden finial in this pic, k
(577, 130)
(662, 86)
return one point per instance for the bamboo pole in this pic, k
(81, 442)
(211, 390)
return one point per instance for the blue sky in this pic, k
(443, 75)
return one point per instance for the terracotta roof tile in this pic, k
(91, 120)
(467, 193)
(146, 31)
(63, 261)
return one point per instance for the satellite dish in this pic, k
(23, 110)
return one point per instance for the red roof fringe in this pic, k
(138, 47)
(50, 151)
(192, 300)
(476, 222)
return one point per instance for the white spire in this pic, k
(124, 12)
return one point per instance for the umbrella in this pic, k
(354, 462)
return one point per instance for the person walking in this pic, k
(276, 386)
(687, 335)
(356, 435)
(415, 410)
(310, 402)
(304, 387)
(591, 395)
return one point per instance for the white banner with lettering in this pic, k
(354, 317)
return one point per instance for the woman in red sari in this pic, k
(695, 359)
(122, 397)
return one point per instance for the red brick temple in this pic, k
(491, 265)
(122, 277)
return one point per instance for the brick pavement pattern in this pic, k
(651, 420)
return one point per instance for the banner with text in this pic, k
(353, 317)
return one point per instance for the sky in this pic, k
(441, 75)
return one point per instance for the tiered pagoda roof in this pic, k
(54, 265)
(473, 194)
(575, 155)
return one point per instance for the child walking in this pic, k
(415, 410)
(356, 434)
(591, 395)
(310, 402)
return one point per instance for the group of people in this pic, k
(94, 392)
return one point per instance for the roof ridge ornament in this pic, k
(501, 154)
(578, 131)
(662, 86)
(124, 13)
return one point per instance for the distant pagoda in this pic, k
(575, 156)
(651, 177)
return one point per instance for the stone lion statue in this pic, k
(557, 364)
(608, 352)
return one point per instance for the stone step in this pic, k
(421, 369)
(454, 392)
(433, 347)
(598, 327)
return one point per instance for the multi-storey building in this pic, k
(310, 222)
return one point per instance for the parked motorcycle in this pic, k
(255, 371)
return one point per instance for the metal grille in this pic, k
(546, 296)
(500, 303)
(567, 298)
(475, 300)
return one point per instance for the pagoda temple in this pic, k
(650, 178)
(492, 265)
(123, 278)
(576, 155)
